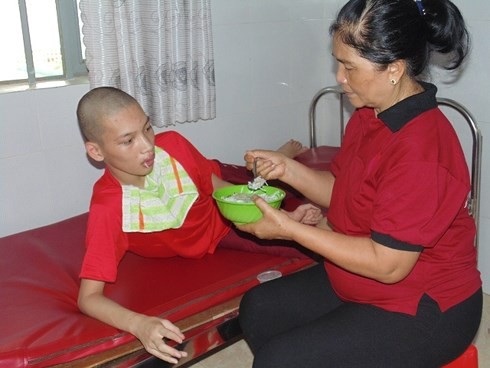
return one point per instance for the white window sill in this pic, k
(7, 88)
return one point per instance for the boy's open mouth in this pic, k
(149, 162)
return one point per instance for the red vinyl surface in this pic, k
(40, 324)
(318, 158)
(40, 321)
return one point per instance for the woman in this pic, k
(399, 286)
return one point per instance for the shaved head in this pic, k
(96, 106)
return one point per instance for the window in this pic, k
(40, 41)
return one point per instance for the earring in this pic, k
(393, 81)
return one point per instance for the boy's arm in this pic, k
(218, 182)
(148, 329)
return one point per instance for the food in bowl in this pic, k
(236, 204)
(257, 183)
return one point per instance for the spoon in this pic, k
(254, 168)
(258, 181)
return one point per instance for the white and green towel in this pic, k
(168, 196)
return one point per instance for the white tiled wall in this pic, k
(271, 56)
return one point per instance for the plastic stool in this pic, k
(469, 359)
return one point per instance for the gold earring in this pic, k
(393, 81)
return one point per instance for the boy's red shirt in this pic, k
(200, 234)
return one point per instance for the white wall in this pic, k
(271, 56)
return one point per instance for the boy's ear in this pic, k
(94, 151)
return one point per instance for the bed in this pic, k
(40, 322)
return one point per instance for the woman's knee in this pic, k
(250, 309)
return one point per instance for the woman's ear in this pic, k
(94, 151)
(396, 70)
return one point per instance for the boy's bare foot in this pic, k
(292, 148)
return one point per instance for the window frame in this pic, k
(70, 41)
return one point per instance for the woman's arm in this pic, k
(149, 330)
(359, 255)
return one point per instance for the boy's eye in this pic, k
(127, 142)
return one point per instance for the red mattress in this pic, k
(318, 158)
(40, 324)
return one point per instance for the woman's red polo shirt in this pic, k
(402, 179)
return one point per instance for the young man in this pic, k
(154, 199)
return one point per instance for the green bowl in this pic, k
(235, 204)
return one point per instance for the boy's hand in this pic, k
(153, 331)
(306, 214)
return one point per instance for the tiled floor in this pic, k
(238, 355)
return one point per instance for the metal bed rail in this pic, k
(476, 152)
(312, 111)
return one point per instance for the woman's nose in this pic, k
(340, 75)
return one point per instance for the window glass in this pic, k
(40, 41)
(45, 39)
(13, 60)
